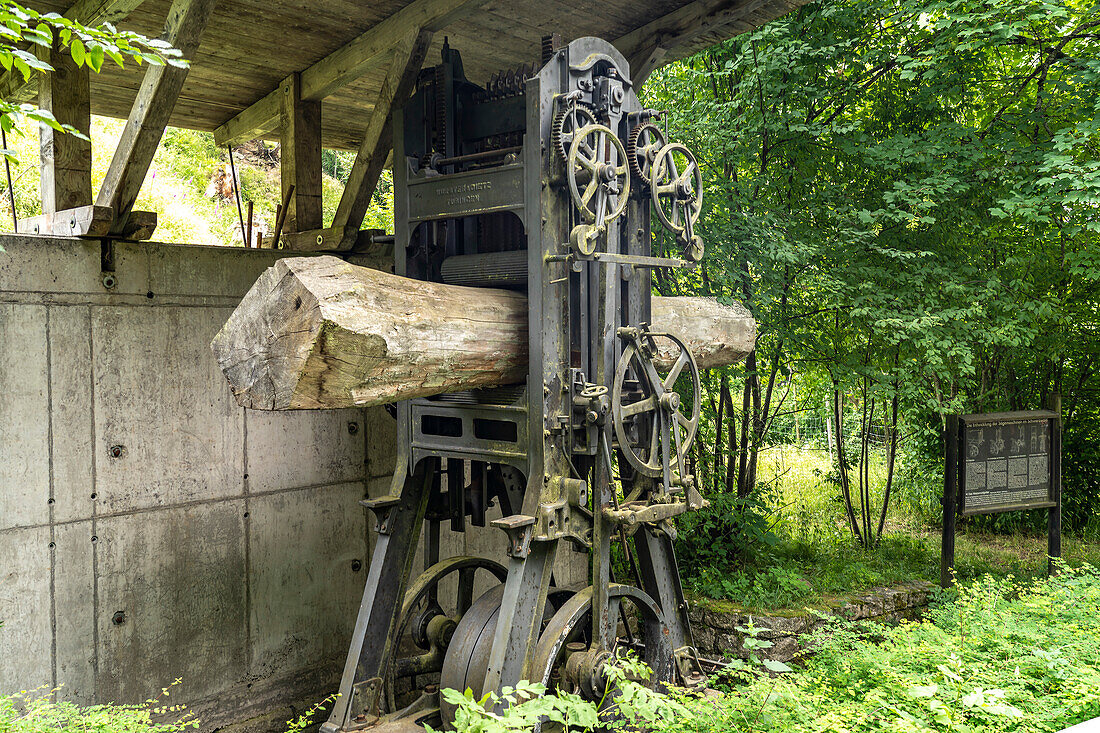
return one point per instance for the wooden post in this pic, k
(1054, 514)
(151, 111)
(950, 499)
(300, 157)
(66, 160)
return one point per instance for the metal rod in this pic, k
(11, 191)
(248, 234)
(237, 193)
(483, 155)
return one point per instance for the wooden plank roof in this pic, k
(250, 46)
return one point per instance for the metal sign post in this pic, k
(1002, 462)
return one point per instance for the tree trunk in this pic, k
(317, 332)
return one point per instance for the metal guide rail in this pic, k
(542, 181)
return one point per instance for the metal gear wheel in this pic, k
(646, 140)
(567, 121)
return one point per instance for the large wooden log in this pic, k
(317, 332)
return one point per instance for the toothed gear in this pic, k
(646, 140)
(567, 121)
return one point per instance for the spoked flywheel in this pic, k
(434, 605)
(656, 402)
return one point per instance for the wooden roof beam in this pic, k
(663, 40)
(346, 64)
(14, 88)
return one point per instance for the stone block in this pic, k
(308, 564)
(27, 634)
(328, 447)
(71, 426)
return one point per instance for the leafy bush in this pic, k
(994, 656)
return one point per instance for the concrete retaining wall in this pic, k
(150, 529)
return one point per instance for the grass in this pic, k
(813, 560)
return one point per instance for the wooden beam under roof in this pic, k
(668, 38)
(346, 64)
(151, 111)
(14, 88)
(371, 158)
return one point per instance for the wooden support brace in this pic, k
(346, 64)
(151, 111)
(89, 221)
(645, 63)
(66, 160)
(371, 157)
(300, 157)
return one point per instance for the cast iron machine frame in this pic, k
(542, 181)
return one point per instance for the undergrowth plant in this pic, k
(996, 655)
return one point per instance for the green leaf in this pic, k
(76, 49)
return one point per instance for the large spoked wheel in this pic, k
(656, 402)
(677, 192)
(598, 173)
(428, 620)
(566, 659)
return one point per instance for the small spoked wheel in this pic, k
(656, 402)
(598, 174)
(677, 192)
(566, 659)
(434, 605)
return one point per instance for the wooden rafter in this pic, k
(151, 111)
(669, 37)
(346, 64)
(14, 88)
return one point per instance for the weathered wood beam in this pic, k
(89, 221)
(346, 64)
(151, 111)
(664, 40)
(318, 332)
(300, 157)
(65, 160)
(408, 57)
(14, 88)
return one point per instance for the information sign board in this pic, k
(1001, 462)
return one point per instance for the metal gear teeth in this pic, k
(560, 118)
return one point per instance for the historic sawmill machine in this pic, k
(543, 182)
(536, 190)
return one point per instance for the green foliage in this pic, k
(21, 27)
(904, 194)
(996, 656)
(36, 711)
(626, 702)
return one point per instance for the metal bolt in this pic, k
(353, 428)
(119, 618)
(356, 565)
(109, 280)
(320, 239)
(116, 451)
